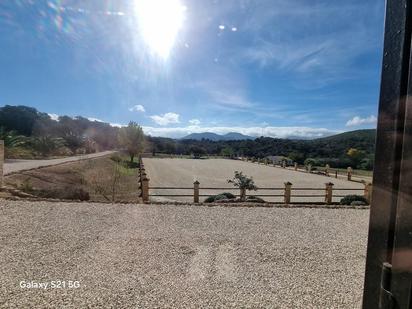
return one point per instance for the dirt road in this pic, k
(12, 166)
(216, 172)
(161, 256)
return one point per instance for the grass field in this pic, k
(215, 172)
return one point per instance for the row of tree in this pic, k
(29, 132)
(354, 149)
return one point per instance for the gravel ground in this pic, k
(12, 166)
(152, 256)
(215, 172)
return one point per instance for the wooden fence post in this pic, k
(196, 191)
(327, 170)
(283, 163)
(1, 162)
(368, 192)
(350, 173)
(296, 166)
(145, 189)
(266, 161)
(242, 194)
(288, 192)
(336, 174)
(328, 193)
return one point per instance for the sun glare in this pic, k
(159, 23)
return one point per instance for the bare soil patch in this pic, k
(178, 172)
(92, 177)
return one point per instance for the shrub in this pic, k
(255, 199)
(210, 199)
(221, 196)
(349, 199)
(68, 193)
(243, 182)
(358, 203)
(228, 195)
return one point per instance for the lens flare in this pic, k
(159, 23)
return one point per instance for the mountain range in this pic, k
(231, 136)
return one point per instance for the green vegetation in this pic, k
(244, 183)
(333, 150)
(220, 197)
(31, 134)
(131, 138)
(356, 200)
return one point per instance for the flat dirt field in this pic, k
(216, 172)
(168, 256)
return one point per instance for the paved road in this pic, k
(164, 256)
(12, 166)
(215, 172)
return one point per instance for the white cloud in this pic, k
(276, 132)
(165, 119)
(54, 117)
(194, 122)
(118, 125)
(137, 108)
(94, 119)
(357, 121)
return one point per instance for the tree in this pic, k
(11, 138)
(132, 139)
(244, 183)
(227, 152)
(45, 145)
(197, 151)
(356, 156)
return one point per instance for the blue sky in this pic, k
(278, 68)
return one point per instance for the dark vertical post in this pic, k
(389, 143)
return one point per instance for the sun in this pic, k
(159, 23)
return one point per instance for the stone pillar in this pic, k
(350, 173)
(296, 166)
(196, 191)
(368, 192)
(145, 189)
(328, 193)
(327, 170)
(309, 168)
(266, 161)
(288, 192)
(1, 162)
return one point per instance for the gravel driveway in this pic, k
(12, 166)
(147, 256)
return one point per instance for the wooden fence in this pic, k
(325, 171)
(286, 193)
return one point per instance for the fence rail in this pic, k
(328, 192)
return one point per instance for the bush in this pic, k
(210, 199)
(358, 203)
(221, 196)
(228, 195)
(349, 199)
(255, 199)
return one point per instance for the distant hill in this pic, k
(330, 150)
(231, 136)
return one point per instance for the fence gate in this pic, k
(388, 277)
